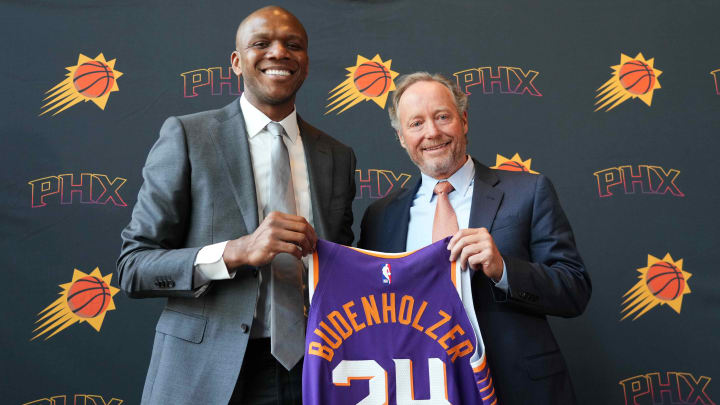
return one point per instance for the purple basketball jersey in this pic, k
(391, 328)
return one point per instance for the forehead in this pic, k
(426, 96)
(271, 23)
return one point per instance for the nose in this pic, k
(432, 129)
(277, 50)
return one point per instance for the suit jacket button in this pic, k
(245, 328)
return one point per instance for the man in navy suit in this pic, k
(512, 234)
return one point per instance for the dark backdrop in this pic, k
(568, 48)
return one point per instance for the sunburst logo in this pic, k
(515, 164)
(662, 282)
(369, 79)
(632, 78)
(84, 299)
(89, 80)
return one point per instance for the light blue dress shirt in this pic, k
(422, 211)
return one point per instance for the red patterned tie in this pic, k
(445, 222)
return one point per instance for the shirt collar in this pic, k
(460, 180)
(256, 121)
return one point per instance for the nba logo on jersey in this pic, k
(386, 274)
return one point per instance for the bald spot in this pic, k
(266, 13)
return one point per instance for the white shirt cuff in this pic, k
(209, 265)
(503, 283)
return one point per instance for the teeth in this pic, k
(277, 72)
(435, 147)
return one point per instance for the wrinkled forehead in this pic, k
(426, 95)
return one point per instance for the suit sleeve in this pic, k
(346, 232)
(153, 260)
(554, 281)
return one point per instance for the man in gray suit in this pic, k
(202, 235)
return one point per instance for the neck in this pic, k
(276, 112)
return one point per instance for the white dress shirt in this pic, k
(208, 263)
(422, 211)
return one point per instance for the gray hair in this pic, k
(408, 80)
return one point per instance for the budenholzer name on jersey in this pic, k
(343, 324)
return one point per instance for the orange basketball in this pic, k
(93, 79)
(88, 297)
(637, 77)
(512, 166)
(372, 79)
(665, 281)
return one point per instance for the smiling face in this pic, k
(271, 55)
(431, 130)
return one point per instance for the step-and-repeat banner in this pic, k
(617, 102)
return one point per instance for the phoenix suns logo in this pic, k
(369, 79)
(632, 78)
(89, 80)
(84, 299)
(515, 164)
(662, 282)
(716, 75)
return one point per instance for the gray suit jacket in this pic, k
(199, 189)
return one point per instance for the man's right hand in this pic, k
(278, 233)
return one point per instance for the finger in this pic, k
(478, 261)
(468, 252)
(458, 235)
(286, 247)
(299, 239)
(468, 239)
(296, 223)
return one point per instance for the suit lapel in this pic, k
(231, 144)
(397, 218)
(486, 198)
(318, 157)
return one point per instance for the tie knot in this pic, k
(443, 187)
(275, 128)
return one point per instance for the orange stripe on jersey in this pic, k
(484, 379)
(453, 276)
(490, 385)
(489, 395)
(481, 366)
(316, 269)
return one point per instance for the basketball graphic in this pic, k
(89, 80)
(512, 167)
(369, 79)
(515, 164)
(93, 79)
(87, 298)
(662, 282)
(665, 281)
(636, 77)
(632, 78)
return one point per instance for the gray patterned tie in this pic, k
(287, 321)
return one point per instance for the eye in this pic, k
(415, 124)
(260, 44)
(295, 46)
(444, 116)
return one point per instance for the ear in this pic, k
(464, 118)
(235, 63)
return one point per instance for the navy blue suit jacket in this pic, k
(544, 270)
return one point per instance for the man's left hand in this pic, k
(476, 248)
